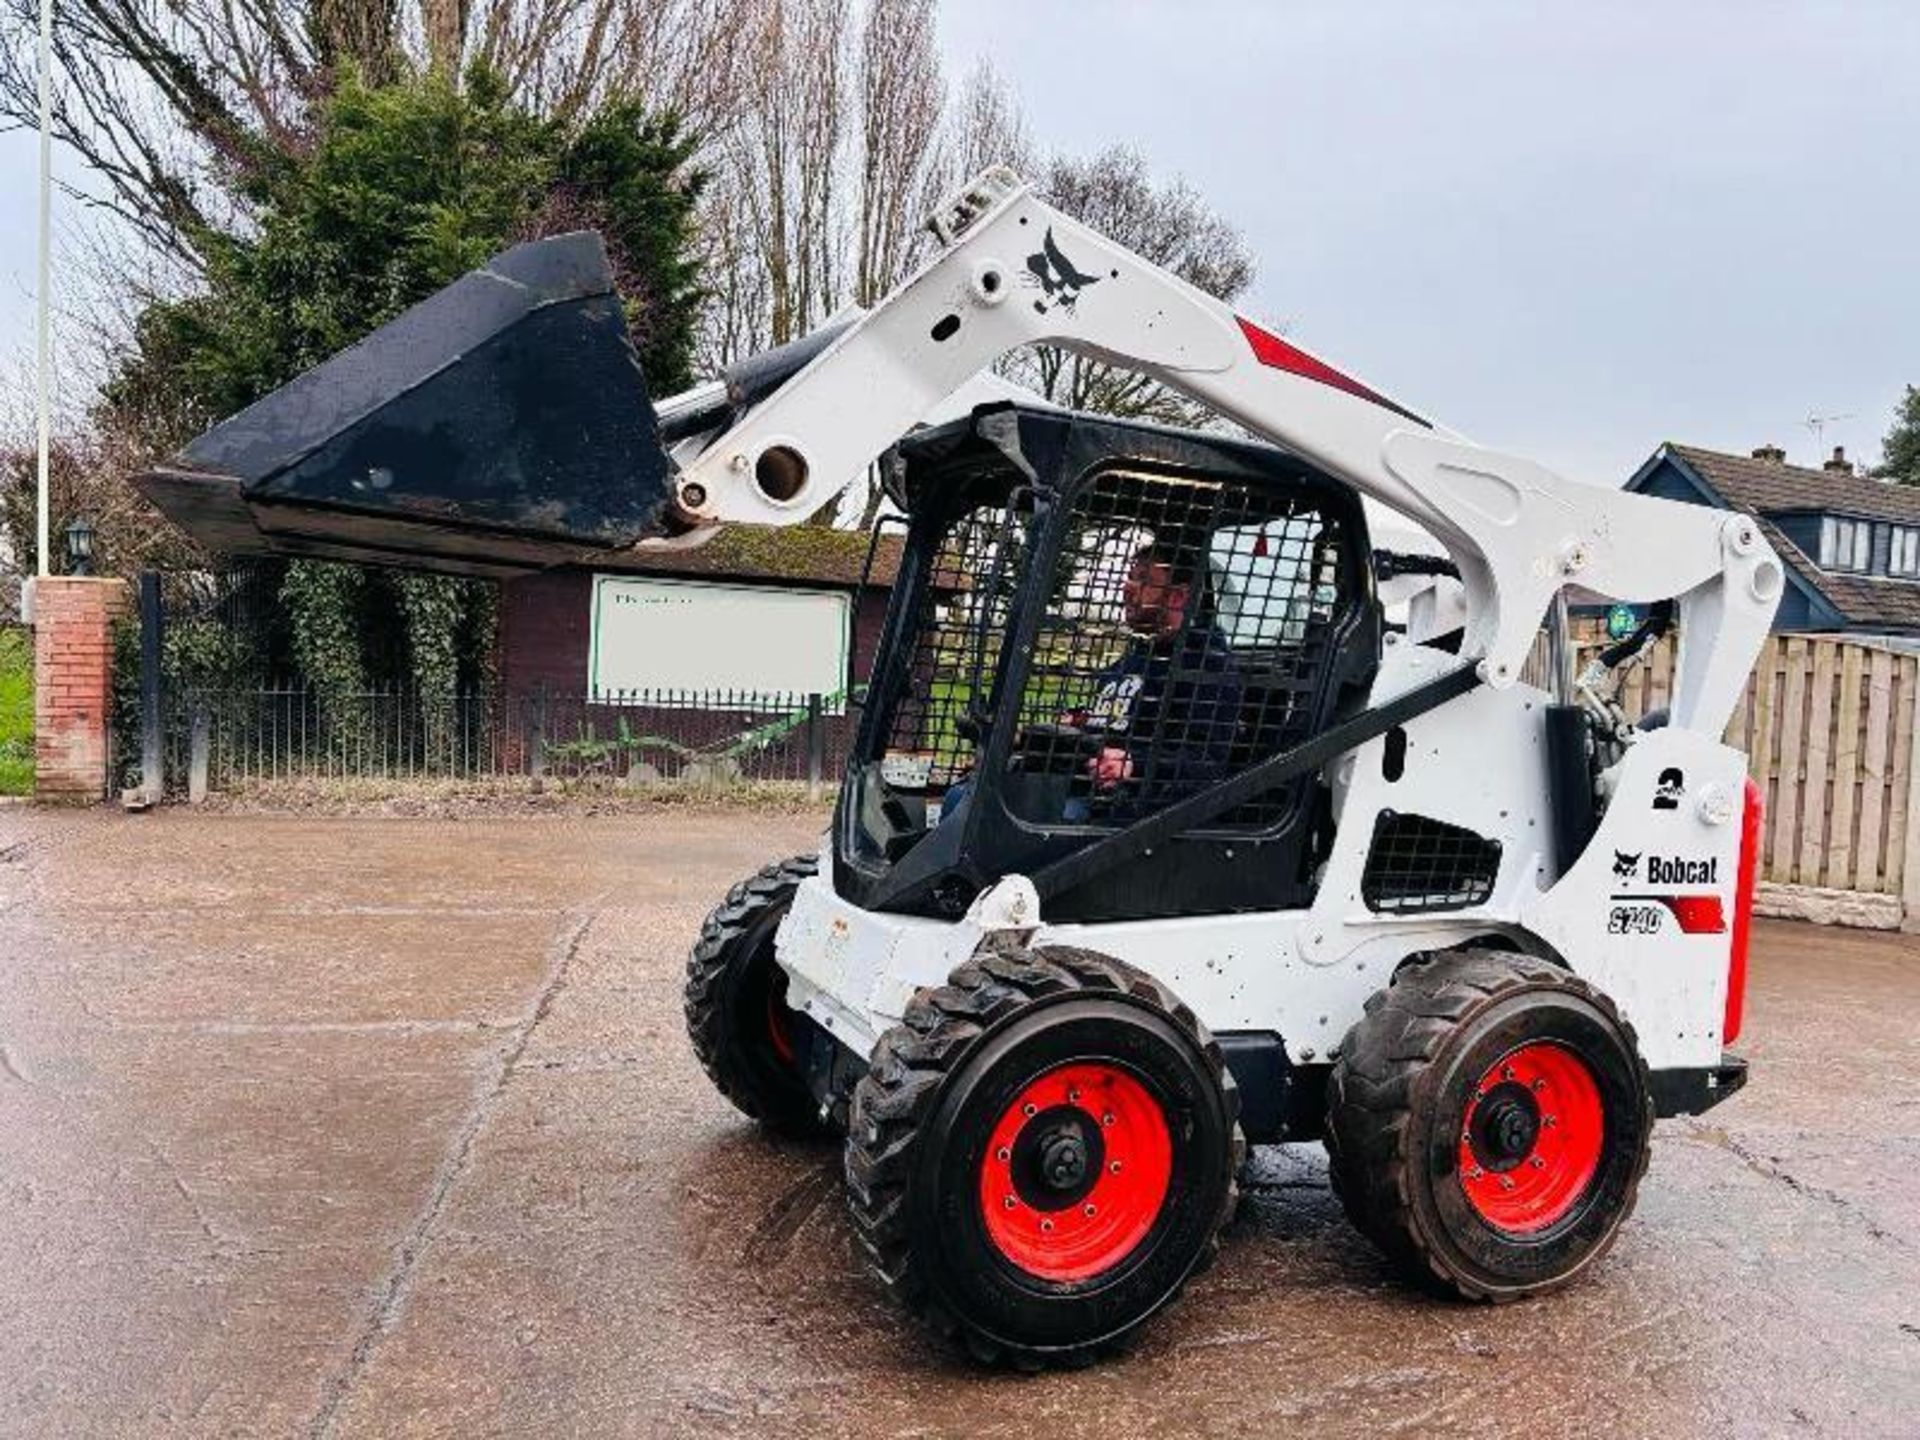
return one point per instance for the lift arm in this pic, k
(1013, 271)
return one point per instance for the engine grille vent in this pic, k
(1419, 864)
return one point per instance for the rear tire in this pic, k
(1488, 1124)
(751, 1045)
(1042, 1154)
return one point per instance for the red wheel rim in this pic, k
(777, 1033)
(1531, 1138)
(1073, 1231)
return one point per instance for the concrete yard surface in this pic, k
(389, 1126)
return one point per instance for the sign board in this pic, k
(686, 637)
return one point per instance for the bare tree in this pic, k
(686, 56)
(443, 25)
(171, 104)
(902, 97)
(837, 152)
(986, 127)
(776, 195)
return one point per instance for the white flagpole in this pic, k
(44, 350)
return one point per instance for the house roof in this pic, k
(807, 554)
(1761, 486)
(1868, 602)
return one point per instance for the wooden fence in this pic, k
(1828, 726)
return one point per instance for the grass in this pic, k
(16, 713)
(1050, 693)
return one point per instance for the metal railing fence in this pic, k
(231, 739)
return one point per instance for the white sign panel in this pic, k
(684, 635)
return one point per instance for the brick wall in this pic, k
(73, 684)
(545, 620)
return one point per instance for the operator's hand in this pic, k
(1110, 767)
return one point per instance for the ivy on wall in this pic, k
(431, 604)
(323, 604)
(344, 618)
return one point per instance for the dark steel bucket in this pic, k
(502, 424)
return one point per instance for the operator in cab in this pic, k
(1168, 709)
(1163, 715)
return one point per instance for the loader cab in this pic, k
(1093, 620)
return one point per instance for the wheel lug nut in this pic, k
(1549, 1119)
(1538, 1163)
(1003, 1154)
(1088, 1212)
(1506, 1182)
(1107, 1119)
(1046, 1227)
(1030, 1108)
(1074, 1096)
(1476, 1173)
(1114, 1167)
(1010, 1202)
(1506, 1072)
(1539, 1085)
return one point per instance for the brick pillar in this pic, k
(73, 684)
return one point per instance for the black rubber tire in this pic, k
(732, 983)
(1397, 1098)
(922, 1114)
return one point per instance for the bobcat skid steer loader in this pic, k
(1156, 838)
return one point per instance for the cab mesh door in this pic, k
(1187, 632)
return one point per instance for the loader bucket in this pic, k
(500, 425)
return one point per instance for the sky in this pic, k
(1571, 231)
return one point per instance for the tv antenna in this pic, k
(1818, 425)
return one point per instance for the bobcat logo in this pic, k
(1625, 866)
(1056, 277)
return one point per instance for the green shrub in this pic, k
(16, 712)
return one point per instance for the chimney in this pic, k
(1839, 464)
(1772, 454)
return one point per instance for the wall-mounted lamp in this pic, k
(79, 546)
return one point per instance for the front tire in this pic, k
(750, 1044)
(1042, 1154)
(1489, 1120)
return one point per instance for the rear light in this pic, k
(1697, 914)
(1743, 912)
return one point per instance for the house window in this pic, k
(1845, 544)
(1904, 557)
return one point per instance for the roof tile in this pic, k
(807, 553)
(1763, 485)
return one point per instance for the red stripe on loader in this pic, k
(1750, 816)
(1272, 351)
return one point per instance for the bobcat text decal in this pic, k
(1673, 870)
